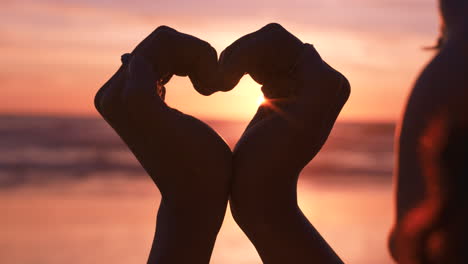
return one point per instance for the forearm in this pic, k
(269, 215)
(195, 195)
(191, 212)
(186, 235)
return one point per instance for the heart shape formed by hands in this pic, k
(268, 55)
(194, 169)
(290, 72)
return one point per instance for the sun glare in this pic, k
(261, 100)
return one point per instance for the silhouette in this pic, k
(305, 96)
(190, 164)
(197, 173)
(432, 147)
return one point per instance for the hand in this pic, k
(188, 161)
(305, 96)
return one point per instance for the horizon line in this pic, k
(20, 114)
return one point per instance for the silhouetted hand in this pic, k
(188, 161)
(305, 96)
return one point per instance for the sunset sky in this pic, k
(57, 53)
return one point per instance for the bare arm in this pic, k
(188, 161)
(305, 96)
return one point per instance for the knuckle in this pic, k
(275, 27)
(164, 34)
(338, 82)
(206, 92)
(206, 46)
(208, 50)
(163, 28)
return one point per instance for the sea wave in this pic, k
(43, 149)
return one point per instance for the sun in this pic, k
(261, 100)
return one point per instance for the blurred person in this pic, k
(432, 151)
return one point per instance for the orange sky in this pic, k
(57, 53)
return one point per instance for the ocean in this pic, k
(71, 192)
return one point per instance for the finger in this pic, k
(316, 80)
(205, 75)
(233, 66)
(171, 52)
(309, 61)
(265, 55)
(308, 66)
(195, 58)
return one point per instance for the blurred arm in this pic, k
(430, 158)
